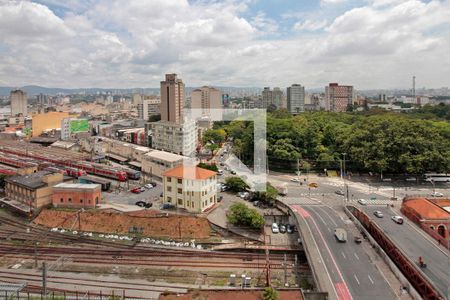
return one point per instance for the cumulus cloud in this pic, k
(112, 43)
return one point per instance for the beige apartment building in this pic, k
(206, 98)
(172, 99)
(155, 163)
(19, 103)
(191, 188)
(338, 97)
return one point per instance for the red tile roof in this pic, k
(427, 209)
(189, 172)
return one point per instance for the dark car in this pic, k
(339, 192)
(144, 204)
(289, 228)
(167, 206)
(282, 228)
(233, 172)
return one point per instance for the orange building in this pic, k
(76, 195)
(431, 214)
(47, 121)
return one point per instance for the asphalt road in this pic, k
(347, 263)
(415, 243)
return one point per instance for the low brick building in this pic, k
(32, 191)
(76, 195)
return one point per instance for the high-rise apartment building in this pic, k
(172, 99)
(266, 97)
(42, 99)
(136, 99)
(338, 97)
(295, 99)
(19, 103)
(206, 98)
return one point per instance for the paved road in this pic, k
(353, 274)
(415, 243)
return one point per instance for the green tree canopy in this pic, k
(236, 184)
(240, 214)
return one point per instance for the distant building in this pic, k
(148, 107)
(191, 188)
(172, 99)
(266, 97)
(30, 192)
(47, 121)
(136, 99)
(295, 99)
(42, 99)
(339, 97)
(206, 98)
(278, 98)
(76, 195)
(19, 103)
(70, 127)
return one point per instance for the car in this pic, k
(397, 219)
(144, 204)
(282, 228)
(142, 189)
(340, 192)
(378, 214)
(255, 203)
(222, 164)
(243, 195)
(233, 172)
(295, 180)
(313, 185)
(167, 206)
(220, 198)
(358, 239)
(289, 228)
(275, 228)
(437, 194)
(411, 179)
(136, 190)
(220, 172)
(362, 201)
(148, 186)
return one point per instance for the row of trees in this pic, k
(382, 142)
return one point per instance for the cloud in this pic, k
(112, 43)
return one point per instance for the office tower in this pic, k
(339, 97)
(172, 99)
(266, 97)
(42, 99)
(296, 99)
(19, 101)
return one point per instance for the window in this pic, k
(180, 201)
(81, 200)
(62, 200)
(169, 179)
(169, 188)
(169, 199)
(70, 199)
(96, 200)
(180, 181)
(180, 191)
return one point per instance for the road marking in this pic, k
(301, 211)
(332, 220)
(329, 230)
(343, 254)
(370, 278)
(357, 257)
(356, 278)
(320, 217)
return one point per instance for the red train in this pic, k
(16, 162)
(75, 172)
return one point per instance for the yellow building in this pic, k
(50, 120)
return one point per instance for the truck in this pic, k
(340, 234)
(282, 189)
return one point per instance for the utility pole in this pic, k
(44, 277)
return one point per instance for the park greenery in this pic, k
(240, 214)
(269, 196)
(236, 184)
(270, 294)
(212, 167)
(373, 141)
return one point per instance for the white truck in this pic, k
(282, 189)
(340, 234)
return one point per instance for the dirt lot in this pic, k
(229, 294)
(153, 223)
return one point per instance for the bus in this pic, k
(433, 177)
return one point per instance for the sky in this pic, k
(371, 44)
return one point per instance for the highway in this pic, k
(349, 268)
(415, 243)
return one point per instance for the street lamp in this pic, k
(344, 154)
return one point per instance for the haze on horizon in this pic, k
(371, 44)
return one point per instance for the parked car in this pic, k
(148, 186)
(142, 189)
(411, 179)
(136, 190)
(289, 228)
(437, 194)
(378, 214)
(144, 204)
(358, 239)
(222, 164)
(340, 192)
(167, 206)
(295, 180)
(255, 203)
(275, 228)
(313, 185)
(362, 201)
(233, 172)
(282, 228)
(397, 219)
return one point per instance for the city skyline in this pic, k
(373, 44)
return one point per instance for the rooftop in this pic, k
(189, 172)
(90, 186)
(31, 181)
(427, 209)
(163, 155)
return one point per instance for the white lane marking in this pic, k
(357, 257)
(356, 279)
(329, 230)
(320, 217)
(343, 254)
(328, 215)
(370, 278)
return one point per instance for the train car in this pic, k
(55, 170)
(73, 172)
(132, 174)
(106, 184)
(7, 172)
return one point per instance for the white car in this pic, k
(148, 186)
(275, 228)
(295, 180)
(397, 219)
(362, 201)
(437, 194)
(378, 214)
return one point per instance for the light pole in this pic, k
(344, 154)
